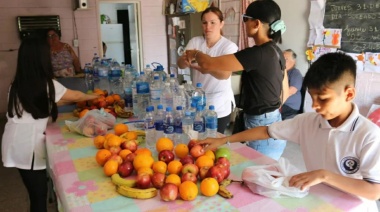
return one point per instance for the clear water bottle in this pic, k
(193, 109)
(155, 91)
(174, 85)
(211, 119)
(159, 122)
(103, 82)
(166, 97)
(199, 96)
(150, 140)
(178, 125)
(161, 73)
(189, 88)
(199, 122)
(169, 124)
(95, 71)
(94, 58)
(114, 77)
(88, 77)
(148, 71)
(143, 93)
(122, 68)
(187, 126)
(181, 98)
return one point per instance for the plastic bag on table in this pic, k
(94, 123)
(273, 180)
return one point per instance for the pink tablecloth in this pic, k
(81, 185)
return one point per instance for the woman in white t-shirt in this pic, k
(218, 91)
(32, 99)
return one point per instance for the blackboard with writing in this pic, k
(359, 21)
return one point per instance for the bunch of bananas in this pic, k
(223, 191)
(120, 112)
(125, 188)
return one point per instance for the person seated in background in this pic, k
(64, 60)
(292, 105)
(339, 145)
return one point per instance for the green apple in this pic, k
(89, 92)
(223, 152)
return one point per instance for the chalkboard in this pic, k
(359, 21)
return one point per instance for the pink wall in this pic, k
(153, 32)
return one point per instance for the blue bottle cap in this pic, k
(172, 75)
(168, 109)
(193, 104)
(211, 107)
(179, 108)
(199, 85)
(151, 107)
(199, 107)
(160, 107)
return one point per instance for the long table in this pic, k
(81, 185)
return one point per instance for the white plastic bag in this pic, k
(94, 123)
(273, 180)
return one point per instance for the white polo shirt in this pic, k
(24, 136)
(218, 92)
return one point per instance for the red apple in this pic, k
(130, 157)
(224, 169)
(166, 156)
(115, 150)
(191, 143)
(143, 180)
(224, 161)
(102, 104)
(93, 107)
(187, 159)
(116, 158)
(130, 144)
(203, 172)
(158, 180)
(125, 169)
(189, 177)
(169, 192)
(217, 173)
(190, 168)
(105, 93)
(197, 151)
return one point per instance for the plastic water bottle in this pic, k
(103, 82)
(155, 91)
(189, 88)
(178, 125)
(159, 122)
(150, 141)
(211, 119)
(94, 58)
(122, 68)
(114, 77)
(143, 93)
(169, 124)
(88, 77)
(95, 71)
(187, 126)
(148, 71)
(199, 96)
(181, 98)
(161, 73)
(166, 97)
(193, 110)
(199, 122)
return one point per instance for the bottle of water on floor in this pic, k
(178, 116)
(169, 124)
(199, 122)
(159, 122)
(211, 119)
(199, 96)
(150, 141)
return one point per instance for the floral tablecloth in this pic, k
(81, 185)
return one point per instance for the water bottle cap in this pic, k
(159, 68)
(187, 113)
(156, 77)
(211, 107)
(199, 85)
(168, 109)
(199, 107)
(142, 73)
(172, 75)
(147, 65)
(148, 109)
(151, 107)
(193, 104)
(179, 107)
(159, 107)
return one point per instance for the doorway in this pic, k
(120, 30)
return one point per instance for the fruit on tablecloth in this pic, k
(197, 151)
(203, 172)
(174, 167)
(188, 190)
(131, 145)
(218, 172)
(102, 156)
(130, 157)
(189, 177)
(204, 160)
(223, 152)
(166, 156)
(181, 150)
(209, 187)
(120, 129)
(118, 180)
(131, 135)
(223, 161)
(187, 159)
(169, 192)
(158, 180)
(210, 154)
(125, 169)
(143, 151)
(173, 178)
(123, 153)
(142, 161)
(190, 168)
(119, 110)
(143, 180)
(83, 112)
(99, 141)
(136, 193)
(164, 144)
(115, 150)
(223, 191)
(110, 100)
(114, 141)
(159, 167)
(191, 143)
(110, 167)
(116, 158)
(145, 170)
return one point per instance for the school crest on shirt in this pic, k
(349, 165)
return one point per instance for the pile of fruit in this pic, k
(113, 104)
(136, 174)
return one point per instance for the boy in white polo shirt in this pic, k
(340, 147)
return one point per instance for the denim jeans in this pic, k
(270, 147)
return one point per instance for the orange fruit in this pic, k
(110, 167)
(146, 170)
(209, 186)
(123, 153)
(210, 154)
(81, 104)
(173, 178)
(120, 128)
(108, 135)
(102, 156)
(83, 112)
(116, 97)
(129, 135)
(143, 151)
(110, 100)
(99, 92)
(204, 161)
(142, 160)
(160, 167)
(99, 141)
(188, 190)
(114, 141)
(181, 150)
(164, 144)
(174, 167)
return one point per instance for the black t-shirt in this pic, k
(261, 78)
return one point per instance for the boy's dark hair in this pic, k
(32, 89)
(330, 68)
(267, 11)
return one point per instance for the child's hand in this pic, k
(307, 179)
(211, 143)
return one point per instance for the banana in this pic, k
(140, 132)
(224, 192)
(121, 112)
(118, 180)
(136, 193)
(225, 182)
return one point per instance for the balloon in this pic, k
(375, 117)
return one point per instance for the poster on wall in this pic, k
(328, 37)
(359, 59)
(372, 62)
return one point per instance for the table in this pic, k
(80, 184)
